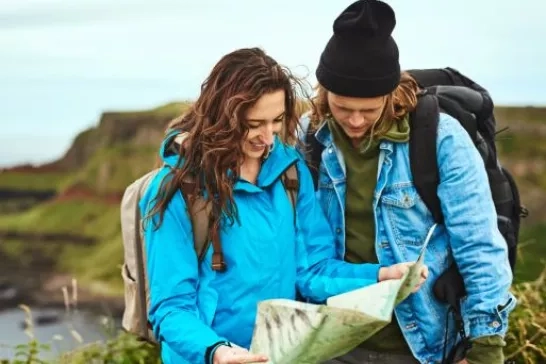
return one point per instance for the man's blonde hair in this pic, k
(398, 104)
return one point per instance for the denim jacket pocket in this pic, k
(407, 214)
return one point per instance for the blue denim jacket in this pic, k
(469, 236)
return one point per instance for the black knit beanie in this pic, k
(361, 57)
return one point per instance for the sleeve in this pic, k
(479, 249)
(320, 274)
(172, 268)
(486, 350)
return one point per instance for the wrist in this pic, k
(211, 350)
(381, 274)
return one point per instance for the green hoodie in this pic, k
(361, 166)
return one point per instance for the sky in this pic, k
(63, 63)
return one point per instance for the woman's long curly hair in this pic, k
(211, 154)
(399, 103)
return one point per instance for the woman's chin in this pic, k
(249, 156)
(252, 152)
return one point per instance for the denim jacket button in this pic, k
(495, 324)
(338, 231)
(330, 150)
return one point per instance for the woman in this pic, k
(236, 148)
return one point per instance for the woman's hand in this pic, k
(397, 271)
(236, 355)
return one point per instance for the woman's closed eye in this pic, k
(280, 119)
(254, 124)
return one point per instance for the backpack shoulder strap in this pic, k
(291, 185)
(200, 214)
(199, 211)
(313, 154)
(422, 152)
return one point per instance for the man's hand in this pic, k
(236, 355)
(397, 271)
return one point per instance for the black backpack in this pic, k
(449, 91)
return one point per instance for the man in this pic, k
(365, 186)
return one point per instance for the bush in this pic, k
(526, 340)
(123, 349)
(119, 348)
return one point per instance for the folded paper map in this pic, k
(290, 332)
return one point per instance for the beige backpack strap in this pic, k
(291, 185)
(200, 215)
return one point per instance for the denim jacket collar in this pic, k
(324, 136)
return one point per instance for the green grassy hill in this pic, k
(87, 183)
(522, 150)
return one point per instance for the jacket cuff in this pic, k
(368, 271)
(488, 323)
(209, 354)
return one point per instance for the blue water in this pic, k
(89, 327)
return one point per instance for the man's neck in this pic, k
(356, 142)
(353, 142)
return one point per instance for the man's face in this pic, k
(356, 115)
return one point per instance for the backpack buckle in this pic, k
(218, 263)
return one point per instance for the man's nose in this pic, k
(356, 119)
